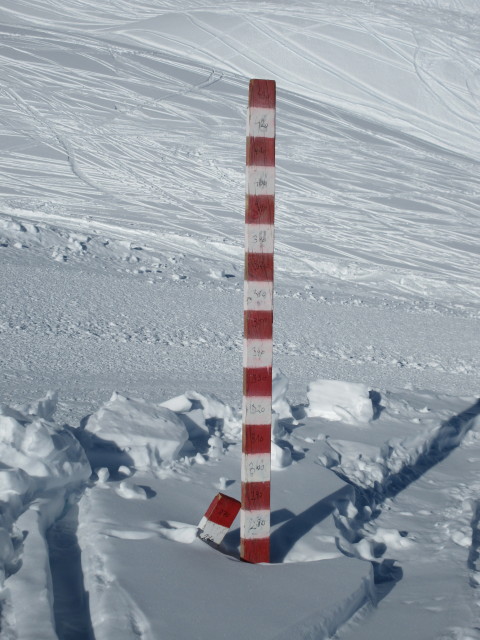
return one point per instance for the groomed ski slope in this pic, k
(121, 252)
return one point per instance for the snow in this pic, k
(280, 404)
(43, 453)
(338, 400)
(131, 491)
(121, 272)
(281, 457)
(149, 434)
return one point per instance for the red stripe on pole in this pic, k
(259, 267)
(256, 438)
(255, 550)
(255, 495)
(259, 209)
(257, 381)
(260, 152)
(258, 325)
(262, 93)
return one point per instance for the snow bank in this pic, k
(335, 400)
(151, 434)
(35, 452)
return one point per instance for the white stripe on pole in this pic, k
(259, 237)
(258, 296)
(257, 466)
(256, 524)
(260, 181)
(258, 410)
(257, 353)
(261, 122)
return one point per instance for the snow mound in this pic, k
(32, 446)
(151, 434)
(131, 491)
(336, 400)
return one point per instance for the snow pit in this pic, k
(336, 400)
(150, 433)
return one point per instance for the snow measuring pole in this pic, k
(258, 323)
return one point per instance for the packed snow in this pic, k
(121, 252)
(337, 400)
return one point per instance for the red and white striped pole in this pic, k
(258, 318)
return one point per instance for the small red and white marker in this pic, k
(258, 322)
(218, 518)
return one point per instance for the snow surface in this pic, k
(121, 252)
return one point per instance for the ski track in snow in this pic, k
(169, 122)
(122, 136)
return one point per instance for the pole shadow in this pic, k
(448, 438)
(283, 539)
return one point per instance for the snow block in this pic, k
(151, 434)
(179, 404)
(14, 481)
(279, 391)
(217, 415)
(336, 400)
(281, 457)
